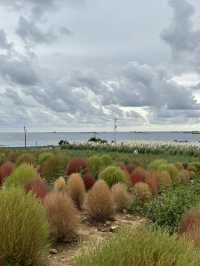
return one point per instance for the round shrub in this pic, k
(95, 165)
(140, 247)
(89, 181)
(173, 172)
(112, 175)
(22, 175)
(156, 164)
(100, 204)
(76, 189)
(59, 184)
(121, 196)
(143, 191)
(23, 228)
(62, 215)
(44, 156)
(5, 170)
(190, 225)
(106, 160)
(138, 175)
(26, 158)
(38, 187)
(164, 179)
(53, 167)
(184, 176)
(76, 166)
(152, 180)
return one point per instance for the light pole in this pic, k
(25, 136)
(115, 129)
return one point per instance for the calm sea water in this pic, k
(49, 138)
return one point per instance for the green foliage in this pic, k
(44, 156)
(23, 229)
(167, 210)
(22, 175)
(155, 165)
(106, 159)
(28, 158)
(95, 164)
(140, 247)
(53, 167)
(112, 175)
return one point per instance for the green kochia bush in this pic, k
(112, 175)
(44, 156)
(141, 247)
(95, 164)
(23, 229)
(22, 175)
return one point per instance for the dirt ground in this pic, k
(63, 254)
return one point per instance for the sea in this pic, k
(16, 139)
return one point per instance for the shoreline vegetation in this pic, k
(138, 193)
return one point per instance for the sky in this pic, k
(76, 65)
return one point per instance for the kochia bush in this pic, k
(76, 166)
(22, 175)
(112, 175)
(23, 228)
(5, 170)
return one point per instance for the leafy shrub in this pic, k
(23, 228)
(53, 167)
(76, 190)
(156, 164)
(38, 187)
(140, 247)
(121, 196)
(59, 184)
(89, 181)
(27, 158)
(44, 156)
(5, 170)
(95, 164)
(106, 160)
(190, 225)
(76, 166)
(100, 205)
(167, 210)
(22, 175)
(173, 172)
(112, 175)
(143, 191)
(164, 179)
(152, 180)
(138, 175)
(184, 176)
(62, 216)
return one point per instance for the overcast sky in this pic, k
(78, 64)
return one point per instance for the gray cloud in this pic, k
(4, 43)
(182, 36)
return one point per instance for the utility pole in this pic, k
(25, 136)
(115, 129)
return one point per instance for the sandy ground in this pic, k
(88, 233)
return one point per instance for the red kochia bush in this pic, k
(38, 187)
(89, 181)
(138, 175)
(76, 166)
(5, 170)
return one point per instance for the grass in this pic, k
(140, 247)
